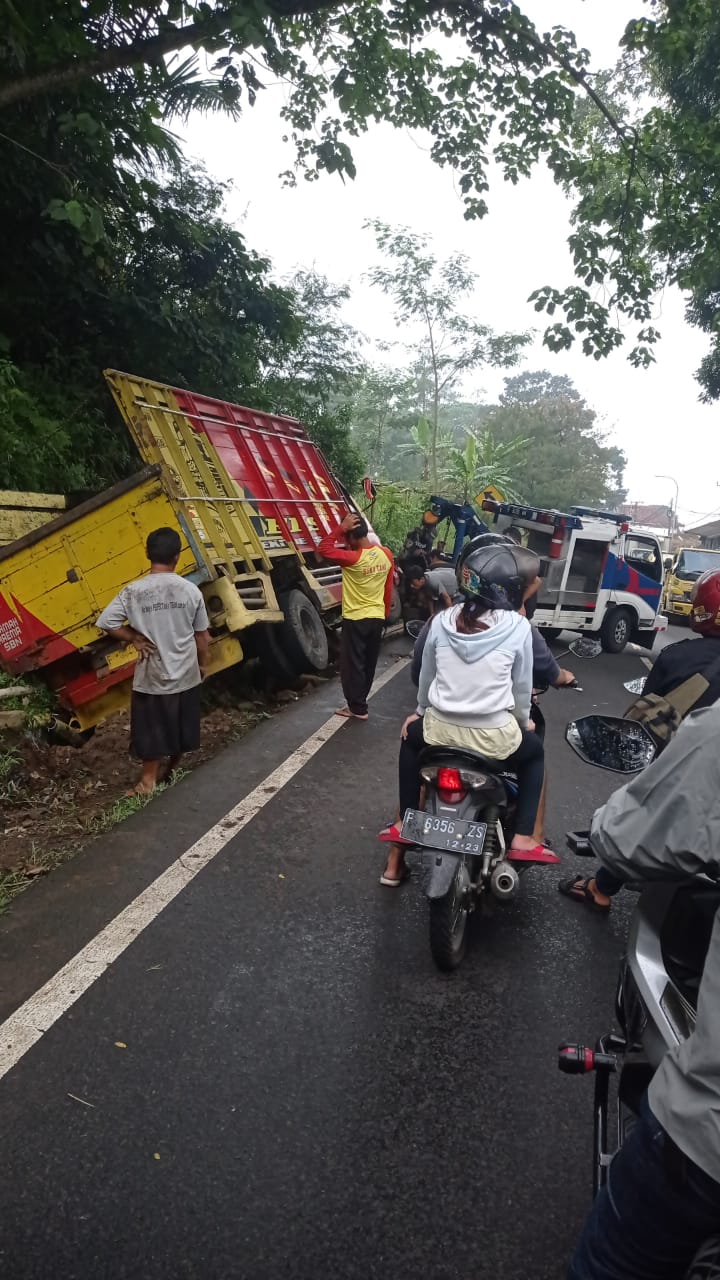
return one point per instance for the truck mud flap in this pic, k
(439, 869)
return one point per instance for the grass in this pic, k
(10, 758)
(40, 862)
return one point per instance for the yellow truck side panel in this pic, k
(81, 561)
(20, 513)
(192, 468)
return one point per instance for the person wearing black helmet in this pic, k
(475, 689)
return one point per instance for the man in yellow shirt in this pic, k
(367, 580)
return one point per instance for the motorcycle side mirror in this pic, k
(635, 686)
(623, 746)
(584, 648)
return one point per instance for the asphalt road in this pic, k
(299, 1093)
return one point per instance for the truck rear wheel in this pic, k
(303, 634)
(615, 631)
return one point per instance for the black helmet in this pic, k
(487, 540)
(497, 573)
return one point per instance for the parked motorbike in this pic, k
(659, 978)
(464, 831)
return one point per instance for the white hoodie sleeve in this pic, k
(428, 671)
(522, 673)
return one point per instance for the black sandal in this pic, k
(578, 889)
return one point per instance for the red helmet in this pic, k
(706, 604)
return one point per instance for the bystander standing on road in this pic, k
(367, 585)
(164, 617)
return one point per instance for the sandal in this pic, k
(392, 835)
(578, 889)
(394, 882)
(539, 853)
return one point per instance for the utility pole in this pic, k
(672, 515)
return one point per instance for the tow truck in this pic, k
(598, 574)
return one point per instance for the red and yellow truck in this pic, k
(251, 495)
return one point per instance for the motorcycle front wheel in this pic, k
(449, 923)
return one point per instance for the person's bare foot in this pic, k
(140, 790)
(347, 714)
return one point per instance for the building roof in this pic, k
(652, 516)
(710, 530)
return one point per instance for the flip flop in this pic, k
(392, 835)
(347, 714)
(577, 889)
(539, 854)
(394, 883)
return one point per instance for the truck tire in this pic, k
(271, 651)
(303, 634)
(616, 630)
(551, 634)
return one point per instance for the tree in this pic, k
(383, 412)
(173, 293)
(314, 377)
(565, 460)
(427, 293)
(485, 461)
(647, 191)
(475, 75)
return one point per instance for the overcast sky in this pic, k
(653, 415)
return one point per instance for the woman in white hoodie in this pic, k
(475, 691)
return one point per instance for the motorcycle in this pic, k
(463, 831)
(659, 978)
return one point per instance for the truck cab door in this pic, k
(640, 574)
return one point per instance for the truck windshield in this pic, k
(693, 563)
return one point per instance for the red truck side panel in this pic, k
(292, 491)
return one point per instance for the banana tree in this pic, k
(420, 445)
(483, 461)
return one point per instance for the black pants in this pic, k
(607, 883)
(528, 762)
(359, 650)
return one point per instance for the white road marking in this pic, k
(29, 1023)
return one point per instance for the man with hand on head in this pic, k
(367, 586)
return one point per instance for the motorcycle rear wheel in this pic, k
(449, 923)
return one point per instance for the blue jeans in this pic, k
(652, 1215)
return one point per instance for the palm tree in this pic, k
(484, 461)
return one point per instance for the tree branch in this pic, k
(146, 50)
(476, 9)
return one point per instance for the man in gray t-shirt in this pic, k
(164, 617)
(439, 582)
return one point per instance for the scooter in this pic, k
(463, 832)
(656, 997)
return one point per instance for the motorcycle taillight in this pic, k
(449, 786)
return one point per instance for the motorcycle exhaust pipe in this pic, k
(504, 881)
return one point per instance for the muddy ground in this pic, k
(53, 799)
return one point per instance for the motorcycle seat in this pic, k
(457, 756)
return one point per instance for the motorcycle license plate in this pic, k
(454, 834)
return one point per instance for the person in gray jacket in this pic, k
(662, 1198)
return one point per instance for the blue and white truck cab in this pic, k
(599, 575)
